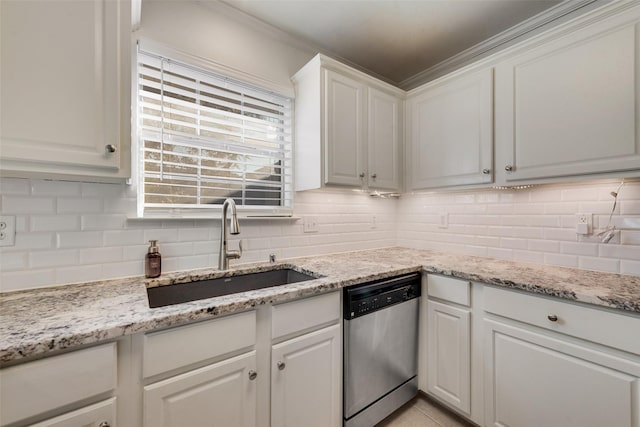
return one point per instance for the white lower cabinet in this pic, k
(536, 380)
(306, 380)
(449, 354)
(223, 393)
(48, 389)
(306, 362)
(101, 414)
(279, 365)
(448, 341)
(553, 363)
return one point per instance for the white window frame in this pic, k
(234, 75)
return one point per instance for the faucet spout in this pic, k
(234, 228)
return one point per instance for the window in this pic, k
(204, 137)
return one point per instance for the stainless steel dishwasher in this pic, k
(380, 348)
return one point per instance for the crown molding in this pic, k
(551, 17)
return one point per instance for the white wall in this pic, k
(533, 225)
(215, 33)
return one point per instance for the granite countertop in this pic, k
(34, 322)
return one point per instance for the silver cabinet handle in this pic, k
(374, 176)
(253, 375)
(110, 148)
(486, 171)
(281, 365)
(361, 175)
(508, 168)
(552, 318)
(104, 424)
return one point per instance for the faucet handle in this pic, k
(235, 254)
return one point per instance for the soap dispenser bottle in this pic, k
(153, 261)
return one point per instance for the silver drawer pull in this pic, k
(486, 171)
(110, 148)
(552, 318)
(104, 424)
(281, 365)
(253, 375)
(508, 168)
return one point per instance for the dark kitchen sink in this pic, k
(160, 296)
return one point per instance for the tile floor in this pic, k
(423, 412)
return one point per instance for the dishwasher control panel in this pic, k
(369, 297)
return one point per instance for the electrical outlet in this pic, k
(7, 230)
(310, 224)
(584, 223)
(444, 220)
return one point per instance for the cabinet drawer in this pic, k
(449, 289)
(40, 386)
(167, 350)
(89, 416)
(304, 314)
(600, 326)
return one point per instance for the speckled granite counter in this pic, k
(38, 321)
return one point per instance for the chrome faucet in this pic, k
(234, 228)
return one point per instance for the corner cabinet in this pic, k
(66, 89)
(550, 363)
(347, 129)
(568, 104)
(450, 131)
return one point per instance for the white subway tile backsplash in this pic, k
(101, 255)
(123, 238)
(77, 205)
(79, 239)
(590, 249)
(55, 222)
(94, 221)
(599, 264)
(83, 273)
(102, 222)
(561, 260)
(55, 258)
(14, 186)
(12, 205)
(630, 267)
(14, 260)
(55, 188)
(17, 280)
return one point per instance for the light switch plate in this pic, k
(310, 224)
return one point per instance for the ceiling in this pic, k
(394, 39)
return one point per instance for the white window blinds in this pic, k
(205, 137)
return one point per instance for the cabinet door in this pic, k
(536, 380)
(306, 380)
(570, 106)
(449, 354)
(101, 414)
(65, 91)
(343, 130)
(220, 394)
(451, 132)
(382, 134)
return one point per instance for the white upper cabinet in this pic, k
(383, 136)
(568, 106)
(450, 132)
(347, 128)
(65, 89)
(344, 148)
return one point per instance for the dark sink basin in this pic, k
(160, 296)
